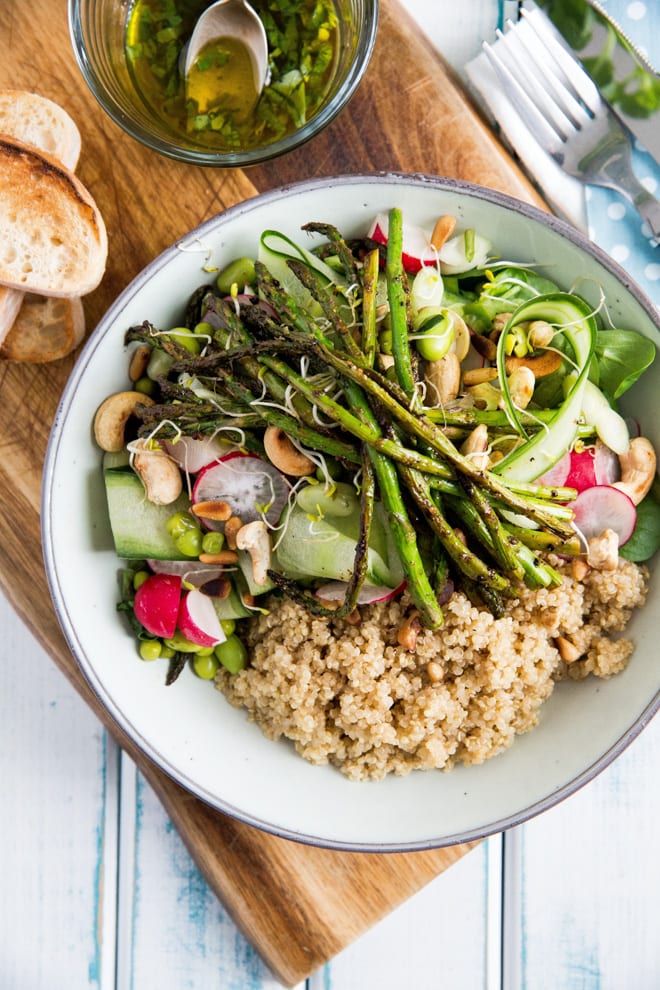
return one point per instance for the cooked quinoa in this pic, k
(349, 695)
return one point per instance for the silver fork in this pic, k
(565, 113)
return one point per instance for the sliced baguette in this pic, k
(53, 239)
(47, 328)
(40, 123)
(44, 125)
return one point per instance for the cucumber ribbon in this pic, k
(575, 318)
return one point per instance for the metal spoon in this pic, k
(231, 19)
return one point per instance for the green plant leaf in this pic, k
(622, 355)
(645, 541)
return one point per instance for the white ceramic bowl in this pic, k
(189, 729)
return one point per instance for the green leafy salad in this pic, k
(403, 410)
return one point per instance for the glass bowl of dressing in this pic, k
(130, 54)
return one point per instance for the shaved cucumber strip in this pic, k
(538, 454)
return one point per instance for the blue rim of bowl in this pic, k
(106, 324)
(256, 156)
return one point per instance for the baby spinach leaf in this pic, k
(622, 356)
(645, 541)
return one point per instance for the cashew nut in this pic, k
(159, 474)
(476, 447)
(255, 538)
(521, 386)
(443, 378)
(284, 455)
(112, 416)
(139, 362)
(638, 466)
(603, 552)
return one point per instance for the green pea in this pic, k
(180, 644)
(145, 386)
(178, 523)
(139, 578)
(213, 542)
(228, 626)
(151, 649)
(232, 654)
(167, 652)
(185, 338)
(203, 328)
(205, 666)
(239, 272)
(190, 542)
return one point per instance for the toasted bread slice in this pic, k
(53, 239)
(10, 304)
(44, 125)
(47, 328)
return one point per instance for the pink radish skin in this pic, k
(417, 250)
(156, 604)
(198, 621)
(245, 482)
(604, 507)
(557, 475)
(335, 591)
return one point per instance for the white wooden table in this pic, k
(98, 890)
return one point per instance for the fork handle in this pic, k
(644, 202)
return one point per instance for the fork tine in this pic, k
(582, 84)
(534, 120)
(558, 94)
(524, 66)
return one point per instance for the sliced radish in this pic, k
(252, 487)
(198, 620)
(417, 250)
(190, 571)
(604, 507)
(335, 591)
(192, 455)
(156, 604)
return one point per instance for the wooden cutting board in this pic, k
(301, 905)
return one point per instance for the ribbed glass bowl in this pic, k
(98, 28)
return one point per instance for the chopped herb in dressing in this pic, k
(221, 109)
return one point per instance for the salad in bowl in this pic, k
(373, 461)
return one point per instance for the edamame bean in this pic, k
(437, 335)
(180, 644)
(205, 666)
(145, 386)
(213, 542)
(232, 654)
(178, 523)
(203, 328)
(185, 338)
(340, 500)
(151, 649)
(190, 542)
(238, 272)
(139, 578)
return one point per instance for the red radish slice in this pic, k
(156, 604)
(417, 250)
(335, 591)
(603, 507)
(191, 571)
(192, 455)
(251, 486)
(198, 620)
